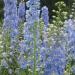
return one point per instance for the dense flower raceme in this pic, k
(57, 62)
(10, 30)
(32, 16)
(45, 15)
(11, 18)
(21, 10)
(8, 13)
(14, 25)
(56, 57)
(70, 38)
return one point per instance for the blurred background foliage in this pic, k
(48, 3)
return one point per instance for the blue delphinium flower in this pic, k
(55, 55)
(56, 61)
(32, 16)
(45, 15)
(10, 26)
(22, 62)
(33, 12)
(69, 27)
(8, 5)
(10, 30)
(73, 69)
(70, 38)
(21, 59)
(11, 20)
(14, 24)
(22, 46)
(21, 10)
(4, 63)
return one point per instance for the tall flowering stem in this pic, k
(45, 15)
(11, 20)
(10, 33)
(35, 46)
(14, 26)
(30, 33)
(70, 41)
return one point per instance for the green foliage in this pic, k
(61, 14)
(72, 14)
(41, 28)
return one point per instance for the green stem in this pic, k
(34, 33)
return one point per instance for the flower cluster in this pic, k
(45, 15)
(21, 10)
(10, 33)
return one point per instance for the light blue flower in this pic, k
(21, 10)
(45, 15)
(22, 62)
(70, 37)
(4, 63)
(56, 60)
(73, 69)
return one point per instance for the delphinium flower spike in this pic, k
(8, 5)
(21, 10)
(70, 41)
(14, 25)
(11, 18)
(32, 18)
(56, 61)
(10, 32)
(54, 64)
(45, 15)
(70, 30)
